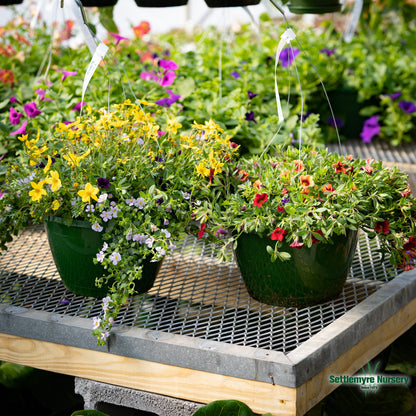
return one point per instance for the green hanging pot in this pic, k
(314, 6)
(231, 3)
(161, 3)
(312, 275)
(73, 249)
(98, 3)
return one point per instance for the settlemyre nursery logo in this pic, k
(369, 381)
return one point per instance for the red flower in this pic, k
(382, 226)
(284, 191)
(260, 199)
(211, 175)
(328, 188)
(339, 167)
(410, 245)
(406, 192)
(280, 209)
(296, 243)
(314, 239)
(278, 234)
(201, 230)
(243, 175)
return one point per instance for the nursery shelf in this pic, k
(197, 334)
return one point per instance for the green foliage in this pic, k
(226, 408)
(88, 413)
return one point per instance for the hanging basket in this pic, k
(73, 249)
(314, 6)
(312, 275)
(10, 2)
(98, 3)
(161, 3)
(231, 3)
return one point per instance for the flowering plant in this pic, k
(125, 174)
(306, 196)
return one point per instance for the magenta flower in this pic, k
(78, 106)
(149, 76)
(167, 79)
(407, 106)
(14, 116)
(168, 64)
(31, 110)
(168, 101)
(288, 55)
(370, 129)
(21, 130)
(13, 99)
(117, 37)
(41, 94)
(66, 74)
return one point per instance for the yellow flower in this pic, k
(202, 170)
(37, 192)
(48, 165)
(54, 180)
(173, 125)
(89, 192)
(55, 205)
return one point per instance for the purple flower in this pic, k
(13, 99)
(168, 101)
(251, 95)
(167, 79)
(407, 106)
(21, 130)
(41, 94)
(250, 116)
(285, 200)
(64, 301)
(288, 55)
(103, 183)
(370, 129)
(117, 37)
(168, 64)
(305, 115)
(66, 74)
(31, 110)
(78, 106)
(328, 52)
(235, 74)
(395, 95)
(338, 122)
(14, 116)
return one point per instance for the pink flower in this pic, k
(167, 79)
(41, 94)
(118, 37)
(21, 130)
(201, 230)
(31, 110)
(168, 64)
(14, 116)
(149, 76)
(296, 243)
(78, 106)
(66, 74)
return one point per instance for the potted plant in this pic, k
(161, 3)
(314, 7)
(231, 3)
(293, 218)
(121, 179)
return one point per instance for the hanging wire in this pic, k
(255, 25)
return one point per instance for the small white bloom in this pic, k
(106, 303)
(100, 256)
(172, 247)
(115, 257)
(140, 141)
(114, 211)
(186, 195)
(130, 202)
(105, 246)
(166, 222)
(96, 322)
(106, 215)
(161, 251)
(166, 232)
(168, 208)
(140, 203)
(89, 208)
(153, 228)
(129, 235)
(97, 227)
(149, 242)
(102, 198)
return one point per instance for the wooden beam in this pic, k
(183, 383)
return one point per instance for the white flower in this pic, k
(105, 246)
(100, 256)
(168, 208)
(102, 198)
(149, 242)
(172, 247)
(97, 227)
(153, 228)
(186, 195)
(141, 238)
(96, 322)
(115, 257)
(140, 141)
(166, 222)
(161, 251)
(140, 203)
(114, 211)
(106, 303)
(89, 208)
(166, 232)
(130, 202)
(129, 235)
(106, 215)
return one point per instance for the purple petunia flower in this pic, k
(328, 52)
(66, 74)
(285, 200)
(235, 74)
(288, 55)
(338, 122)
(103, 183)
(168, 64)
(14, 116)
(117, 37)
(168, 101)
(20, 130)
(78, 106)
(250, 116)
(407, 106)
(395, 95)
(370, 129)
(42, 94)
(31, 110)
(251, 95)
(167, 79)
(13, 99)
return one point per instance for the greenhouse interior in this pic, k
(275, 275)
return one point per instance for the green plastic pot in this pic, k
(73, 249)
(314, 6)
(231, 3)
(311, 276)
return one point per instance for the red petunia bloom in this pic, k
(339, 167)
(280, 209)
(382, 226)
(410, 245)
(201, 230)
(314, 239)
(260, 199)
(328, 188)
(278, 234)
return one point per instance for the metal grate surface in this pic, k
(194, 295)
